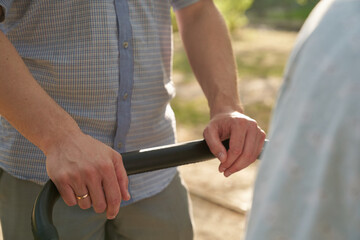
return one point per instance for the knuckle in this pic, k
(106, 167)
(114, 201)
(253, 124)
(209, 131)
(240, 120)
(90, 172)
(206, 132)
(124, 180)
(117, 156)
(74, 177)
(262, 135)
(62, 178)
(236, 150)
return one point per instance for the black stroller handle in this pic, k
(134, 162)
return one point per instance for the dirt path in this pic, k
(219, 204)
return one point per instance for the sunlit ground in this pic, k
(220, 204)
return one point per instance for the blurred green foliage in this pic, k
(261, 63)
(192, 113)
(236, 12)
(232, 10)
(265, 7)
(281, 13)
(261, 112)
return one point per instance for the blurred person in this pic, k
(308, 184)
(83, 81)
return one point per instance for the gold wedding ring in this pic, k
(82, 197)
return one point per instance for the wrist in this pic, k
(60, 136)
(225, 106)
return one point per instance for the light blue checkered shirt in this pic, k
(108, 64)
(308, 184)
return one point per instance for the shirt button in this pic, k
(119, 145)
(125, 45)
(125, 96)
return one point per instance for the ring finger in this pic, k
(82, 196)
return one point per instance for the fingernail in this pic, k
(128, 196)
(221, 156)
(227, 174)
(222, 169)
(111, 217)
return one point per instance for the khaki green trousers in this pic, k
(165, 216)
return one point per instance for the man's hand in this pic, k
(82, 165)
(246, 140)
(77, 163)
(211, 57)
(207, 43)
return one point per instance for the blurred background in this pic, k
(263, 33)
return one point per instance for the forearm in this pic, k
(209, 50)
(26, 105)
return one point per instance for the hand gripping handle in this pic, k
(134, 162)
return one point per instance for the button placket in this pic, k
(126, 76)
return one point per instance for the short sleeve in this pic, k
(178, 4)
(5, 6)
